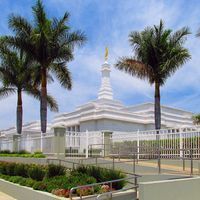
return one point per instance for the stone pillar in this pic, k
(59, 142)
(16, 142)
(107, 142)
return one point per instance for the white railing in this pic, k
(78, 143)
(172, 141)
(82, 144)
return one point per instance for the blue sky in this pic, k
(108, 23)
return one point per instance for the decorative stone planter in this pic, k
(23, 193)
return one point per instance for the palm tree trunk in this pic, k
(19, 112)
(157, 112)
(43, 101)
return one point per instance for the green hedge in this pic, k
(21, 153)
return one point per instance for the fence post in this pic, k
(41, 142)
(107, 135)
(181, 142)
(183, 160)
(59, 142)
(138, 145)
(133, 162)
(86, 143)
(16, 142)
(191, 164)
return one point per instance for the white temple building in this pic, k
(106, 113)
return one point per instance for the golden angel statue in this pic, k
(106, 54)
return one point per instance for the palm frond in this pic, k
(178, 37)
(134, 67)
(52, 103)
(20, 25)
(62, 74)
(35, 92)
(5, 92)
(39, 14)
(75, 38)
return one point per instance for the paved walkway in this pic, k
(4, 196)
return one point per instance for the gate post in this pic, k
(59, 142)
(107, 141)
(86, 144)
(16, 142)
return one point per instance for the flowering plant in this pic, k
(61, 192)
(85, 191)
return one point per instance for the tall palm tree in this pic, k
(51, 43)
(19, 74)
(158, 54)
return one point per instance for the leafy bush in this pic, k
(5, 152)
(10, 169)
(23, 152)
(37, 152)
(55, 170)
(51, 187)
(36, 173)
(15, 179)
(3, 168)
(40, 186)
(102, 175)
(38, 156)
(22, 181)
(21, 170)
(30, 182)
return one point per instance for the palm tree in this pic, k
(49, 42)
(19, 74)
(158, 54)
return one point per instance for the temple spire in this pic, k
(105, 91)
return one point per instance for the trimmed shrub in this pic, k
(3, 168)
(30, 182)
(36, 173)
(21, 170)
(10, 169)
(55, 170)
(23, 152)
(102, 175)
(38, 152)
(51, 187)
(22, 181)
(38, 156)
(5, 152)
(40, 186)
(15, 179)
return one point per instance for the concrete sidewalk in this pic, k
(4, 196)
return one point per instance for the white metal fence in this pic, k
(30, 144)
(172, 142)
(79, 144)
